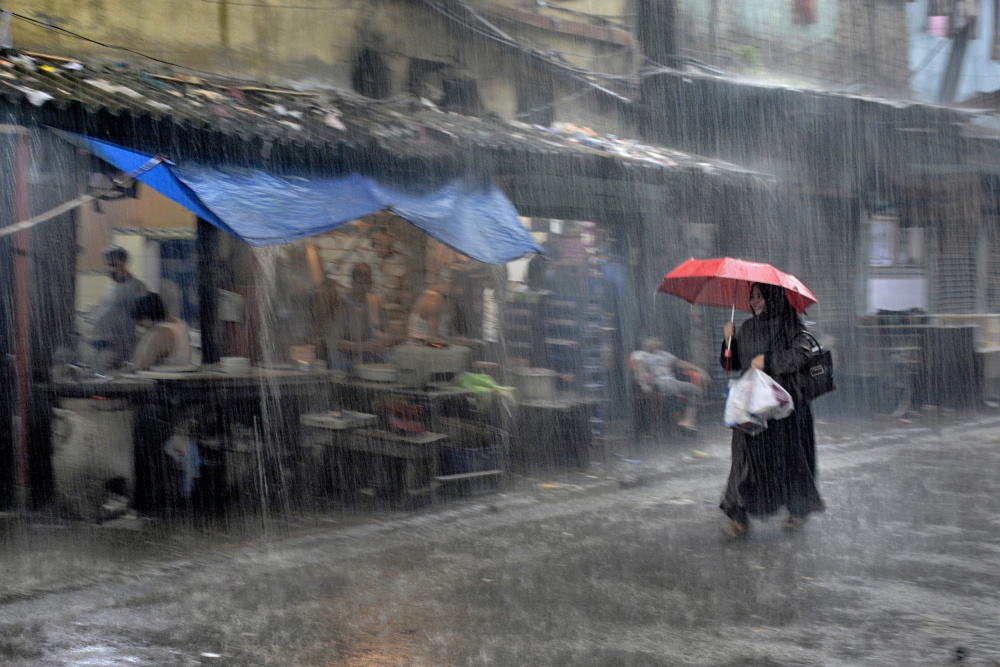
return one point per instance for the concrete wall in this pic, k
(268, 41)
(851, 42)
(149, 209)
(873, 45)
(768, 27)
(775, 22)
(95, 230)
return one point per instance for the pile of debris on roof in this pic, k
(409, 126)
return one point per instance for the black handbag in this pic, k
(816, 378)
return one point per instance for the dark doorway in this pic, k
(371, 75)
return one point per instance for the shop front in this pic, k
(358, 263)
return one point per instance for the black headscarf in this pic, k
(777, 306)
(773, 330)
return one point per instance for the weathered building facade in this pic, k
(856, 45)
(532, 62)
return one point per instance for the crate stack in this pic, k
(522, 338)
(563, 331)
(595, 343)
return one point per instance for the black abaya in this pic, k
(778, 466)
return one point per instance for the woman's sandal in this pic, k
(735, 530)
(794, 523)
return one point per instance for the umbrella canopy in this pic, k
(726, 282)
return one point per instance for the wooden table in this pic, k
(419, 453)
(220, 409)
(360, 395)
(146, 385)
(322, 434)
(555, 433)
(435, 392)
(258, 381)
(232, 411)
(134, 388)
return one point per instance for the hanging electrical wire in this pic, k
(685, 60)
(63, 31)
(495, 34)
(266, 5)
(545, 107)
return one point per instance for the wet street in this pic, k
(623, 565)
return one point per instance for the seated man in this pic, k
(363, 337)
(166, 340)
(657, 370)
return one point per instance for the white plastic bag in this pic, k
(754, 399)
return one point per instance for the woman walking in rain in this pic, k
(777, 467)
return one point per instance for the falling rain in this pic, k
(496, 332)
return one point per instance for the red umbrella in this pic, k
(726, 282)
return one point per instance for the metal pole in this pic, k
(22, 317)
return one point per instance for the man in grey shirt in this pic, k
(655, 368)
(114, 337)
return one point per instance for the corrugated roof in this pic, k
(731, 85)
(404, 127)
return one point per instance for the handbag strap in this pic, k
(818, 349)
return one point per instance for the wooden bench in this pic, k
(419, 452)
(322, 434)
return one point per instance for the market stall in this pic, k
(167, 438)
(370, 299)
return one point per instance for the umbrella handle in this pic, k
(729, 342)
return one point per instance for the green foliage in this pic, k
(749, 57)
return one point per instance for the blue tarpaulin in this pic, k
(265, 209)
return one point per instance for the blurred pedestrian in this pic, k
(777, 467)
(430, 319)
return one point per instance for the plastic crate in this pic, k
(459, 460)
(472, 447)
(468, 434)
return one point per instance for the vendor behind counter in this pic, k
(113, 336)
(355, 325)
(454, 309)
(362, 338)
